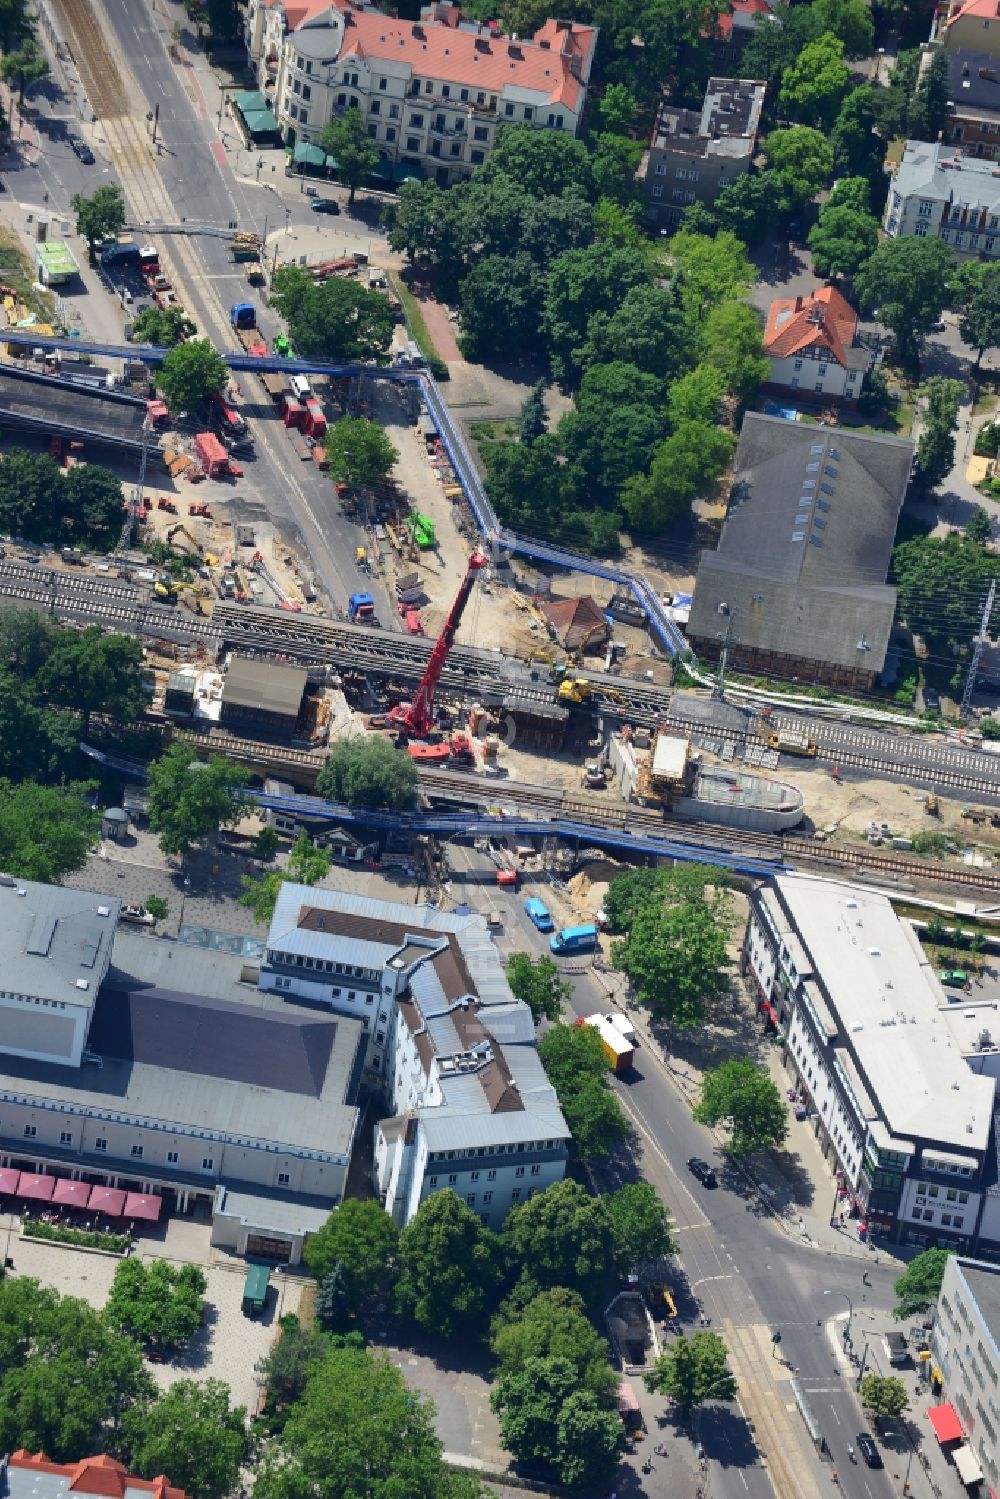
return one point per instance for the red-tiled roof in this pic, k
(101, 1476)
(575, 620)
(796, 324)
(985, 10)
(724, 21)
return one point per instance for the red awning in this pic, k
(71, 1194)
(9, 1179)
(137, 1205)
(947, 1426)
(37, 1188)
(767, 1008)
(108, 1200)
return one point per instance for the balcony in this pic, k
(449, 132)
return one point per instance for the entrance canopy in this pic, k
(9, 1179)
(947, 1426)
(139, 1205)
(36, 1188)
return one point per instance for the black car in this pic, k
(325, 205)
(703, 1171)
(868, 1450)
(83, 151)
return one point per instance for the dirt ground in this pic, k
(852, 804)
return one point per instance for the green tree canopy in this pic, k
(684, 467)
(917, 1288)
(710, 270)
(285, 1367)
(307, 865)
(842, 239)
(369, 772)
(501, 306)
(101, 216)
(582, 283)
(536, 981)
(46, 832)
(741, 1095)
(907, 279)
(885, 1395)
(24, 66)
(163, 327)
(190, 375)
(94, 672)
(448, 1266)
(940, 400)
(677, 958)
(80, 508)
(641, 1226)
(562, 1237)
(191, 799)
(358, 451)
(346, 138)
(613, 432)
(631, 893)
(554, 1324)
(156, 1302)
(979, 323)
(692, 1370)
(979, 526)
(732, 340)
(858, 149)
(814, 85)
(546, 1419)
(942, 584)
(802, 159)
(361, 1237)
(577, 1068)
(534, 418)
(748, 206)
(647, 331)
(335, 319)
(193, 1434)
(542, 162)
(696, 396)
(850, 20)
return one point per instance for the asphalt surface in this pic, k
(739, 1268)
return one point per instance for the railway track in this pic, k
(99, 75)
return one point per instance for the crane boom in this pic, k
(417, 717)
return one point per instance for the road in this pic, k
(739, 1268)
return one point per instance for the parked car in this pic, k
(868, 1450)
(325, 205)
(138, 915)
(932, 700)
(83, 151)
(703, 1171)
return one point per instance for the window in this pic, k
(416, 122)
(432, 1181)
(412, 143)
(508, 110)
(529, 113)
(452, 1179)
(491, 1176)
(394, 111)
(456, 149)
(926, 209)
(478, 157)
(207, 1163)
(822, 369)
(946, 1220)
(963, 1197)
(296, 86)
(304, 120)
(519, 1171)
(171, 1158)
(487, 1196)
(373, 131)
(515, 1195)
(65, 1138)
(137, 1152)
(446, 91)
(920, 231)
(283, 1178)
(376, 106)
(480, 133)
(536, 1170)
(30, 1131)
(428, 87)
(100, 1143)
(293, 114)
(383, 84)
(471, 1199)
(798, 364)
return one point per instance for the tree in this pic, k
(918, 1287)
(333, 1300)
(940, 399)
(369, 773)
(648, 332)
(191, 799)
(979, 526)
(334, 320)
(562, 1237)
(742, 1096)
(536, 981)
(223, 18)
(94, 672)
(346, 139)
(25, 66)
(696, 396)
(617, 109)
(554, 1324)
(46, 832)
(692, 1370)
(710, 271)
(677, 959)
(91, 505)
(157, 907)
(747, 206)
(544, 163)
(156, 1302)
(448, 1266)
(307, 865)
(632, 893)
(361, 1238)
(67, 1379)
(534, 418)
(191, 374)
(802, 160)
(850, 20)
(614, 430)
(732, 341)
(544, 1419)
(191, 1433)
(942, 584)
(684, 466)
(358, 1429)
(358, 452)
(101, 216)
(815, 83)
(858, 149)
(979, 323)
(266, 844)
(842, 241)
(501, 306)
(885, 1395)
(284, 1369)
(907, 279)
(928, 107)
(613, 163)
(576, 1067)
(641, 1226)
(26, 637)
(163, 327)
(582, 283)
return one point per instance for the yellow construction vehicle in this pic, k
(164, 588)
(180, 529)
(574, 690)
(931, 806)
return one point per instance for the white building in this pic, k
(432, 92)
(450, 1052)
(966, 1345)
(939, 191)
(868, 1041)
(812, 344)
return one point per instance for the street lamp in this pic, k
(850, 1314)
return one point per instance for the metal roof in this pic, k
(266, 1214)
(53, 940)
(264, 686)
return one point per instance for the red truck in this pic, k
(315, 420)
(292, 414)
(213, 457)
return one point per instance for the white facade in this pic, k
(817, 377)
(939, 192)
(432, 93)
(966, 1345)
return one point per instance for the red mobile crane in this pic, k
(416, 718)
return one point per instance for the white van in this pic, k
(301, 388)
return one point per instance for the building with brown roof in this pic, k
(695, 153)
(433, 92)
(812, 343)
(577, 624)
(32, 1476)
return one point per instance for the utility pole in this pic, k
(719, 690)
(977, 652)
(125, 540)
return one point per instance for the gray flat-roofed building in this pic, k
(797, 584)
(694, 154)
(263, 694)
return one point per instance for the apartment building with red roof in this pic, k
(812, 343)
(32, 1476)
(433, 92)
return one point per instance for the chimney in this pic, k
(798, 304)
(420, 34)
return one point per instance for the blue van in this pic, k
(538, 914)
(574, 939)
